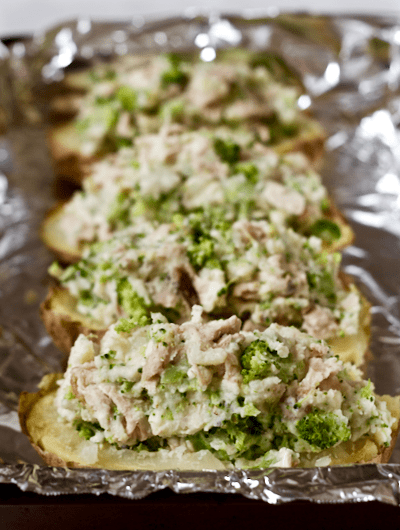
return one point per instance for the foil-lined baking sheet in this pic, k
(350, 68)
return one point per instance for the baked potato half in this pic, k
(60, 445)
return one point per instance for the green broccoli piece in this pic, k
(249, 170)
(79, 269)
(326, 230)
(367, 391)
(87, 298)
(324, 284)
(127, 98)
(322, 429)
(133, 304)
(259, 361)
(174, 77)
(126, 386)
(86, 429)
(120, 210)
(104, 115)
(201, 251)
(256, 361)
(173, 375)
(227, 150)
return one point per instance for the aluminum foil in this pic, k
(350, 68)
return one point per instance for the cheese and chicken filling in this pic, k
(136, 99)
(174, 172)
(257, 270)
(256, 399)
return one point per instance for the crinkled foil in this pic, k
(350, 67)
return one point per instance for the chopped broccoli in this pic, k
(367, 391)
(201, 252)
(257, 361)
(201, 249)
(249, 170)
(326, 230)
(173, 375)
(89, 299)
(132, 303)
(82, 269)
(69, 395)
(104, 115)
(87, 429)
(227, 150)
(109, 355)
(322, 429)
(277, 66)
(174, 76)
(127, 98)
(120, 210)
(244, 434)
(323, 283)
(173, 110)
(126, 386)
(325, 205)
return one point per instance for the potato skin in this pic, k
(62, 322)
(54, 238)
(68, 160)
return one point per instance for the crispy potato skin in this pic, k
(37, 416)
(62, 322)
(53, 237)
(68, 162)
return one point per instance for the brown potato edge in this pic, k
(63, 322)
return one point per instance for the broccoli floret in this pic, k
(324, 284)
(132, 303)
(201, 249)
(103, 115)
(174, 77)
(257, 360)
(87, 429)
(80, 269)
(322, 429)
(120, 210)
(326, 230)
(173, 375)
(245, 434)
(249, 170)
(227, 150)
(367, 391)
(87, 298)
(200, 252)
(127, 98)
(126, 386)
